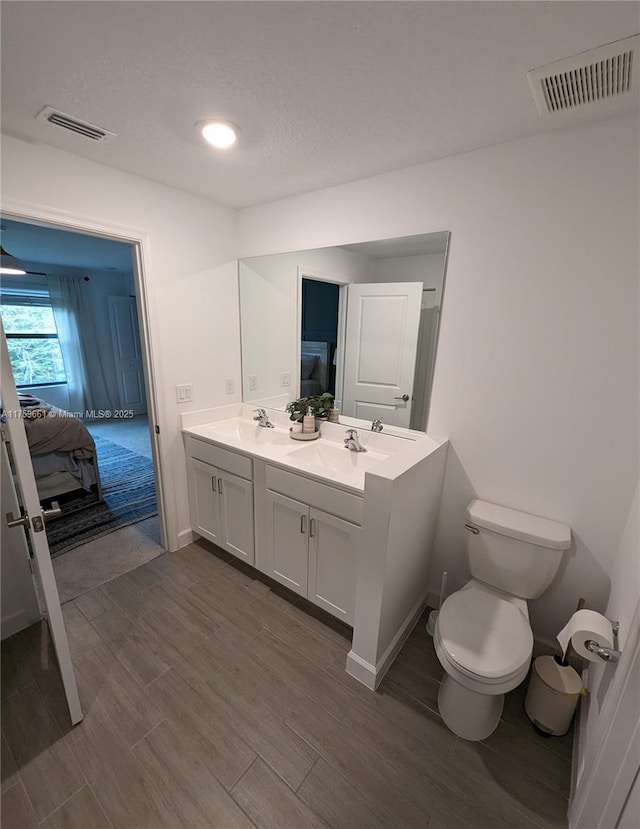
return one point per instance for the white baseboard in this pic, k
(186, 537)
(387, 658)
(363, 671)
(371, 675)
(14, 623)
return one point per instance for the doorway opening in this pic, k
(81, 367)
(319, 337)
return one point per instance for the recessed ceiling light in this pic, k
(220, 134)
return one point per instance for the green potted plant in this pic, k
(319, 404)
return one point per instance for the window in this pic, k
(32, 339)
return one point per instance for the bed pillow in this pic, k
(307, 367)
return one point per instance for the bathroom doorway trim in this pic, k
(138, 238)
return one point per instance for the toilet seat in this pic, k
(486, 638)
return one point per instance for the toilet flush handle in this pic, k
(472, 529)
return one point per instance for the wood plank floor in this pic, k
(213, 698)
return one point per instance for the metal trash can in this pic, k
(553, 693)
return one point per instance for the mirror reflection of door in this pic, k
(381, 346)
(271, 311)
(24, 532)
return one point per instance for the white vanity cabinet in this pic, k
(310, 550)
(350, 532)
(221, 497)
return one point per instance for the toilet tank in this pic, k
(514, 551)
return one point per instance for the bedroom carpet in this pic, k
(129, 496)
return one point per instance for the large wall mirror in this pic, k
(360, 321)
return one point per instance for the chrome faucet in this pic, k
(352, 442)
(376, 425)
(263, 419)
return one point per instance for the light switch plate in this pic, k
(184, 393)
(253, 382)
(285, 378)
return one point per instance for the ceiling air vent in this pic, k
(67, 122)
(604, 74)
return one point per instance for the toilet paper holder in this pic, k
(606, 654)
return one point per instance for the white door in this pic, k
(287, 543)
(236, 514)
(333, 564)
(33, 525)
(19, 604)
(125, 335)
(603, 795)
(203, 500)
(380, 355)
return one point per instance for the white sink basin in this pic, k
(322, 458)
(334, 458)
(247, 433)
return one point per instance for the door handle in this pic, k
(213, 483)
(23, 521)
(54, 512)
(220, 485)
(303, 524)
(404, 397)
(312, 524)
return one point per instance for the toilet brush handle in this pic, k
(443, 585)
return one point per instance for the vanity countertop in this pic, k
(325, 459)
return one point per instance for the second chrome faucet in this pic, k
(352, 442)
(263, 419)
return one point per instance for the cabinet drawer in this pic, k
(217, 456)
(334, 501)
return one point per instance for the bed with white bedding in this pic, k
(63, 453)
(314, 368)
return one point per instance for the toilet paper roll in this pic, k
(583, 626)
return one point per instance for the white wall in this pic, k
(269, 306)
(428, 269)
(190, 273)
(536, 381)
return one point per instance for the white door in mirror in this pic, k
(383, 320)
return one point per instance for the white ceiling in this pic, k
(325, 92)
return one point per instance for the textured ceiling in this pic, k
(325, 92)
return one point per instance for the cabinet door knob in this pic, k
(213, 485)
(220, 485)
(312, 527)
(303, 524)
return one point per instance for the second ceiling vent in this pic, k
(68, 122)
(602, 74)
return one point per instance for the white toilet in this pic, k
(482, 635)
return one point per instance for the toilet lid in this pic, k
(484, 634)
